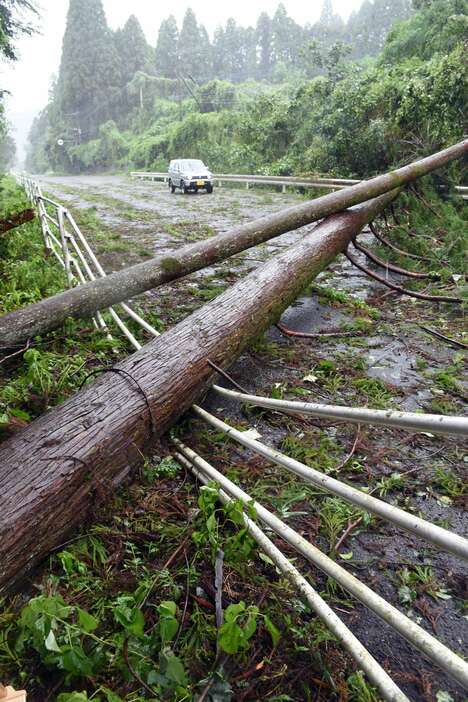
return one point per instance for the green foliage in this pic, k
(13, 24)
(240, 624)
(360, 690)
(41, 376)
(58, 633)
(239, 546)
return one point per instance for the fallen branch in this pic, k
(317, 335)
(134, 673)
(388, 243)
(398, 288)
(351, 453)
(346, 533)
(16, 353)
(454, 342)
(85, 300)
(391, 267)
(16, 220)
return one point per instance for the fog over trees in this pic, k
(278, 95)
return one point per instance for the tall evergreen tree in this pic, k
(189, 41)
(368, 28)
(220, 59)
(89, 74)
(204, 68)
(331, 26)
(287, 37)
(167, 56)
(265, 45)
(132, 49)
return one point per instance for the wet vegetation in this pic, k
(125, 610)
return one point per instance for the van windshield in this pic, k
(192, 164)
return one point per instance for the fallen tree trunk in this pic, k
(84, 300)
(51, 470)
(16, 220)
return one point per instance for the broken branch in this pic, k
(398, 288)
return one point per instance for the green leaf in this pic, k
(87, 622)
(173, 668)
(73, 697)
(230, 637)
(167, 608)
(76, 662)
(129, 615)
(233, 611)
(51, 642)
(266, 558)
(272, 630)
(168, 629)
(443, 696)
(250, 626)
(346, 556)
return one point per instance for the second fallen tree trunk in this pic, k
(50, 472)
(84, 300)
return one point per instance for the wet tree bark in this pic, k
(50, 471)
(84, 300)
(16, 220)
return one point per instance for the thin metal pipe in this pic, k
(51, 202)
(84, 241)
(66, 252)
(412, 632)
(439, 537)
(112, 312)
(103, 274)
(136, 344)
(436, 423)
(57, 256)
(98, 319)
(51, 219)
(55, 239)
(143, 323)
(376, 674)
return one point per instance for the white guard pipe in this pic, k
(441, 538)
(436, 423)
(376, 674)
(412, 632)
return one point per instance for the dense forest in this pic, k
(331, 97)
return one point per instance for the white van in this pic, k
(189, 174)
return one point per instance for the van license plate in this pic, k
(200, 182)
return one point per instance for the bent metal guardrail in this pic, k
(447, 660)
(63, 237)
(283, 181)
(248, 180)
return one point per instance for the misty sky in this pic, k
(28, 79)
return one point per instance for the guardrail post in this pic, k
(66, 252)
